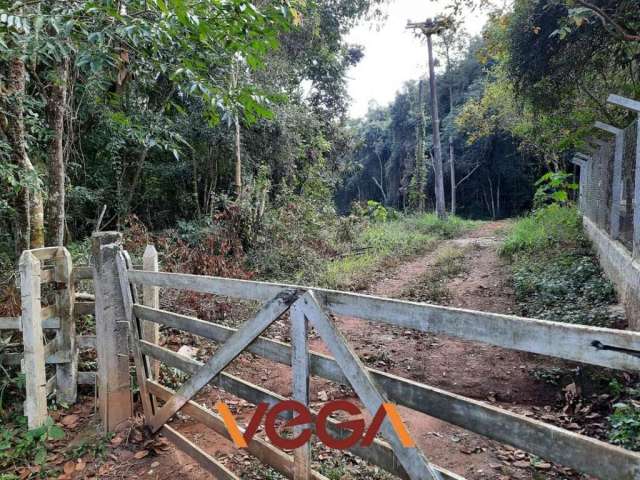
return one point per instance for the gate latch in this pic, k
(601, 346)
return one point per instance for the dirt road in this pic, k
(474, 370)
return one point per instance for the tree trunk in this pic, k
(452, 165)
(238, 171)
(196, 199)
(452, 169)
(30, 206)
(437, 147)
(56, 102)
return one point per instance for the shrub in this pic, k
(553, 226)
(625, 426)
(453, 226)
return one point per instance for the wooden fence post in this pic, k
(66, 373)
(113, 379)
(151, 298)
(35, 407)
(300, 371)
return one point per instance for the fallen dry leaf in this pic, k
(70, 420)
(69, 468)
(80, 465)
(141, 454)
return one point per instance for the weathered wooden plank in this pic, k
(581, 453)
(412, 459)
(84, 308)
(142, 366)
(86, 378)
(10, 323)
(46, 253)
(82, 272)
(66, 373)
(300, 381)
(151, 298)
(571, 342)
(35, 405)
(269, 313)
(47, 275)
(114, 385)
(379, 453)
(262, 450)
(205, 460)
(624, 102)
(51, 385)
(86, 341)
(48, 312)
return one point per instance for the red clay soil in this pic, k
(479, 371)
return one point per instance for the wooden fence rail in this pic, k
(592, 345)
(598, 346)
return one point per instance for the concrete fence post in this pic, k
(616, 178)
(66, 373)
(33, 366)
(113, 380)
(633, 105)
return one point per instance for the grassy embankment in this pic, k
(557, 277)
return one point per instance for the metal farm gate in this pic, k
(610, 348)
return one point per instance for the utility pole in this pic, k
(428, 28)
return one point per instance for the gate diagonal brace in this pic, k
(413, 460)
(227, 352)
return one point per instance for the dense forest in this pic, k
(167, 112)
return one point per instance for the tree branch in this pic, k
(606, 18)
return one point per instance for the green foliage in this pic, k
(21, 447)
(552, 227)
(452, 227)
(372, 210)
(625, 425)
(554, 188)
(556, 276)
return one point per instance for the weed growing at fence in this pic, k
(19, 447)
(625, 425)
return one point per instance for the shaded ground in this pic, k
(474, 370)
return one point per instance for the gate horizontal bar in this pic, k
(265, 452)
(379, 453)
(571, 342)
(578, 451)
(205, 460)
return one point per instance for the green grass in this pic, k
(553, 227)
(386, 244)
(431, 287)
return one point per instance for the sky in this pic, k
(393, 54)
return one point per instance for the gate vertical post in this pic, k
(300, 371)
(113, 381)
(151, 298)
(66, 373)
(35, 406)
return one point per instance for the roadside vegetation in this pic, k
(557, 277)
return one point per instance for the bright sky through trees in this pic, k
(393, 55)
